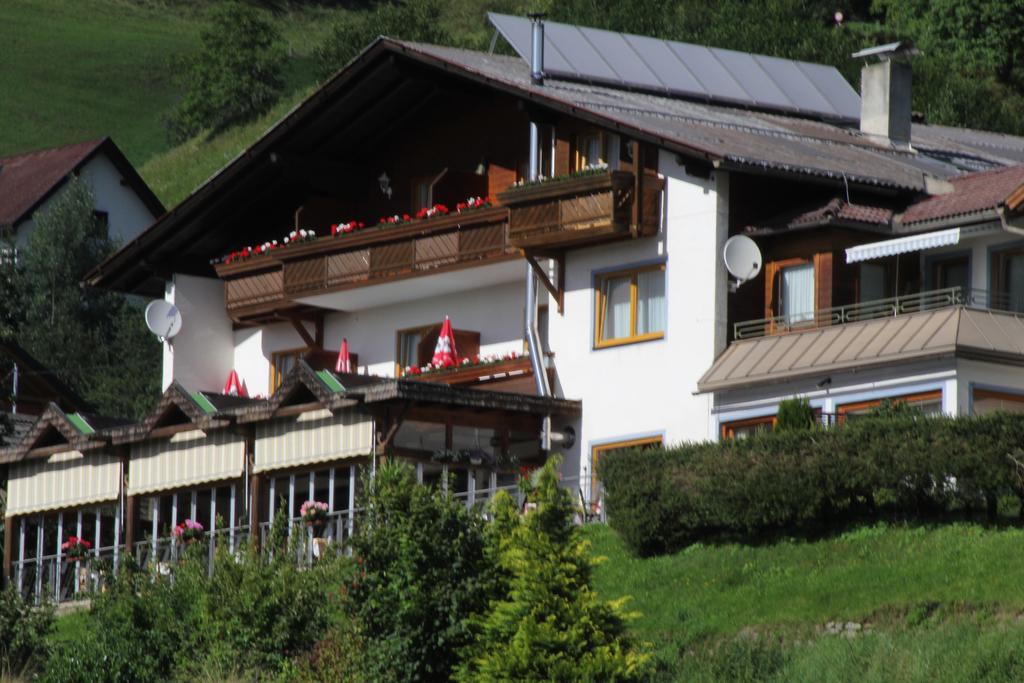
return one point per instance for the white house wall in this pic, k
(974, 374)
(647, 388)
(127, 214)
(202, 354)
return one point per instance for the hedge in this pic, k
(907, 465)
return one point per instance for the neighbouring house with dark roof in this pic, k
(30, 180)
(29, 386)
(568, 216)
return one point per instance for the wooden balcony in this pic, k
(583, 210)
(511, 376)
(267, 286)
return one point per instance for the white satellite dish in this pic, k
(742, 258)
(163, 319)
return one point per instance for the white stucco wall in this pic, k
(646, 389)
(974, 374)
(202, 353)
(127, 215)
(495, 312)
(980, 248)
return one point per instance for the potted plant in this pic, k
(188, 532)
(76, 549)
(314, 513)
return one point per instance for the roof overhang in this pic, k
(960, 332)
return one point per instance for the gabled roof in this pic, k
(20, 424)
(726, 137)
(323, 386)
(177, 406)
(54, 428)
(816, 353)
(835, 212)
(29, 178)
(973, 193)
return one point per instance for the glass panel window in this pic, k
(797, 293)
(589, 151)
(928, 403)
(631, 306)
(873, 283)
(1008, 280)
(742, 429)
(951, 272)
(986, 401)
(281, 363)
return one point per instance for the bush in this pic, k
(422, 571)
(23, 632)
(795, 414)
(901, 464)
(549, 625)
(235, 76)
(251, 616)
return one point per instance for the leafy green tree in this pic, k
(550, 625)
(23, 631)
(423, 571)
(234, 77)
(415, 20)
(95, 341)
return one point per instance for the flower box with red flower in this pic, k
(189, 532)
(76, 549)
(314, 513)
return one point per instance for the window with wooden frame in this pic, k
(281, 362)
(407, 347)
(928, 402)
(597, 452)
(423, 190)
(630, 306)
(590, 151)
(1007, 270)
(950, 271)
(741, 429)
(790, 290)
(985, 401)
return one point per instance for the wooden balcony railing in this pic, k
(582, 210)
(264, 286)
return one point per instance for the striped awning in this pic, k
(185, 459)
(62, 480)
(311, 437)
(903, 245)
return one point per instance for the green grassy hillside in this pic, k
(79, 69)
(928, 604)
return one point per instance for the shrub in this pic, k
(550, 624)
(23, 632)
(235, 76)
(253, 613)
(422, 571)
(795, 414)
(897, 463)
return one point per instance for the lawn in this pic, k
(80, 69)
(941, 603)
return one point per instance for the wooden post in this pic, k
(8, 550)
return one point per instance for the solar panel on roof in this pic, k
(684, 69)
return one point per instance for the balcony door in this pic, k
(1008, 279)
(952, 271)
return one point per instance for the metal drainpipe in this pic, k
(532, 337)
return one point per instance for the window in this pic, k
(796, 290)
(1008, 279)
(281, 362)
(630, 306)
(953, 271)
(590, 151)
(986, 401)
(873, 282)
(407, 347)
(929, 403)
(741, 429)
(597, 452)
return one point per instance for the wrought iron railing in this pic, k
(879, 308)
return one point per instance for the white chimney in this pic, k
(885, 92)
(537, 49)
